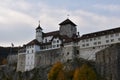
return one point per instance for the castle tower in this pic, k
(68, 28)
(39, 33)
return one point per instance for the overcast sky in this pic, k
(19, 18)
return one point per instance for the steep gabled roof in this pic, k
(33, 42)
(101, 33)
(67, 21)
(39, 27)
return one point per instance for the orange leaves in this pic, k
(61, 75)
(85, 73)
(76, 74)
(57, 67)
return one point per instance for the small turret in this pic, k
(39, 33)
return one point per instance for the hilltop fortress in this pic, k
(64, 45)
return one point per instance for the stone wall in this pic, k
(11, 59)
(21, 62)
(68, 30)
(69, 52)
(108, 62)
(48, 57)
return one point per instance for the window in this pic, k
(45, 40)
(87, 44)
(107, 41)
(83, 45)
(54, 41)
(67, 53)
(57, 41)
(99, 42)
(27, 51)
(112, 40)
(57, 45)
(117, 34)
(95, 43)
(107, 36)
(83, 41)
(91, 39)
(77, 52)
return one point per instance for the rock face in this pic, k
(108, 62)
(8, 72)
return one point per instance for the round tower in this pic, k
(39, 33)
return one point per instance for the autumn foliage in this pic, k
(55, 71)
(84, 72)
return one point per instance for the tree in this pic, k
(61, 75)
(85, 73)
(55, 71)
(4, 61)
(76, 74)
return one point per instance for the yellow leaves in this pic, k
(76, 74)
(85, 73)
(57, 67)
(61, 75)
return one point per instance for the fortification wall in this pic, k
(108, 62)
(21, 62)
(48, 57)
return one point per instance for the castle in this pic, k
(64, 45)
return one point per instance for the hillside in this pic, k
(8, 72)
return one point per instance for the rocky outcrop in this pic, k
(8, 72)
(108, 62)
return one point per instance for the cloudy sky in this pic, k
(19, 18)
